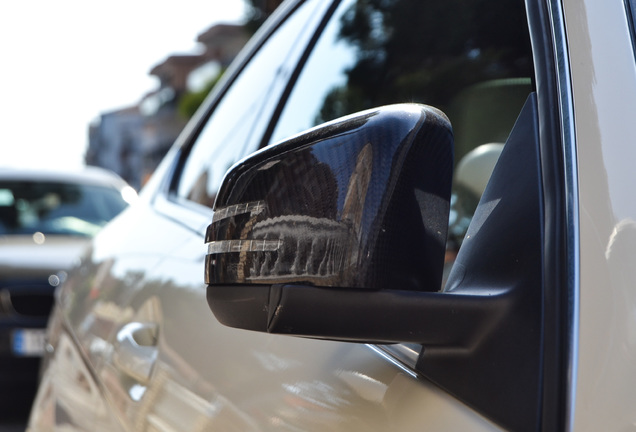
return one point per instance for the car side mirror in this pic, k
(339, 234)
(342, 219)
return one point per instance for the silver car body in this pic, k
(136, 347)
(603, 91)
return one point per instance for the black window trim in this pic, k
(300, 65)
(630, 14)
(561, 231)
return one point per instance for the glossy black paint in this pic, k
(360, 202)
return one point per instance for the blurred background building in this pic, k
(132, 141)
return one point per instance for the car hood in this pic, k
(20, 254)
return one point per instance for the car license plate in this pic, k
(28, 342)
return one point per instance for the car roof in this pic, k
(86, 175)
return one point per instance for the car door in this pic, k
(137, 307)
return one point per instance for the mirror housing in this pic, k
(354, 208)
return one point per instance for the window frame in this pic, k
(560, 195)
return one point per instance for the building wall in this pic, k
(132, 141)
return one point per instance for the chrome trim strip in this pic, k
(390, 356)
(405, 353)
(251, 208)
(236, 246)
(568, 137)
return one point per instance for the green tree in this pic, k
(190, 102)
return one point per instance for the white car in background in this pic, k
(350, 277)
(47, 218)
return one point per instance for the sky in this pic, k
(64, 62)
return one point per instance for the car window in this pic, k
(236, 126)
(472, 62)
(27, 207)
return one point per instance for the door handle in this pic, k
(136, 350)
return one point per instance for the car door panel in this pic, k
(210, 376)
(603, 371)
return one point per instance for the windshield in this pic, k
(27, 207)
